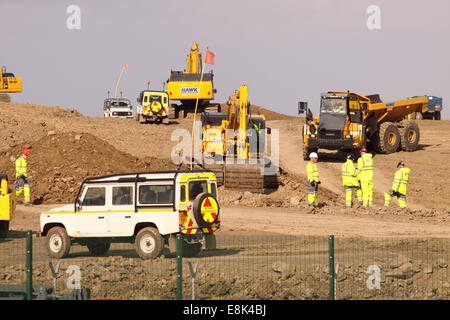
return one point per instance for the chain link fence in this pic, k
(246, 266)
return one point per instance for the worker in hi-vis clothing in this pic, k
(350, 181)
(365, 175)
(313, 179)
(398, 190)
(22, 182)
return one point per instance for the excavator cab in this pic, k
(9, 83)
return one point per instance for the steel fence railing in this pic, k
(243, 266)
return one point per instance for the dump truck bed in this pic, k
(396, 110)
(390, 111)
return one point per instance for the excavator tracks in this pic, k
(5, 98)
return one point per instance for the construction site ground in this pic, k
(67, 147)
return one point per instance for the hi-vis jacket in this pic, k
(401, 180)
(349, 174)
(21, 167)
(365, 167)
(312, 172)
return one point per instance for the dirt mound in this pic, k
(291, 193)
(28, 122)
(59, 162)
(268, 114)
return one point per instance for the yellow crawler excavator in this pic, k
(9, 83)
(188, 85)
(234, 146)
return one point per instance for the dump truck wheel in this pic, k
(388, 138)
(149, 243)
(419, 116)
(58, 242)
(98, 247)
(437, 115)
(409, 135)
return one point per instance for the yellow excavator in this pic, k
(8, 84)
(234, 146)
(188, 85)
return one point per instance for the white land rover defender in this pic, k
(117, 108)
(148, 209)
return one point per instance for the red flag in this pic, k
(209, 58)
(126, 65)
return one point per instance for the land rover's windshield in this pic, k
(333, 105)
(117, 104)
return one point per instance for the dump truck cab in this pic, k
(117, 108)
(338, 125)
(153, 106)
(147, 209)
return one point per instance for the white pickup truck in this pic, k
(147, 209)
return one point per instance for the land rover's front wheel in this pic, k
(58, 242)
(149, 243)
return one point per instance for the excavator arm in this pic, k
(237, 120)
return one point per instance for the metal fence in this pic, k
(247, 266)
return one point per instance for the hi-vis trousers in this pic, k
(349, 195)
(312, 194)
(367, 192)
(23, 185)
(400, 197)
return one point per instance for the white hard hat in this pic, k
(313, 155)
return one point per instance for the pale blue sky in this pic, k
(285, 51)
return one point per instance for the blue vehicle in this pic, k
(434, 109)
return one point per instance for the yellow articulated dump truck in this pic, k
(188, 85)
(350, 121)
(7, 205)
(9, 83)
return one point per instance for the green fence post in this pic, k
(179, 267)
(331, 266)
(29, 266)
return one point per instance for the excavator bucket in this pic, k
(255, 178)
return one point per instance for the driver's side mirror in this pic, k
(78, 204)
(302, 107)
